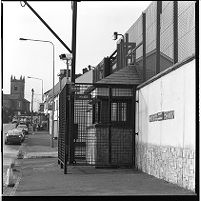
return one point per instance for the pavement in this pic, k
(37, 173)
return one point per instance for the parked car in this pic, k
(22, 133)
(14, 136)
(23, 128)
(14, 120)
(44, 125)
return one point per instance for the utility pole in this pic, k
(71, 122)
(32, 96)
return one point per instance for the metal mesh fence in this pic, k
(98, 142)
(166, 31)
(186, 29)
(137, 37)
(62, 125)
(150, 27)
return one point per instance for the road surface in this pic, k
(9, 151)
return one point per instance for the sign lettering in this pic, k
(161, 116)
(169, 115)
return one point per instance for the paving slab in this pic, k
(43, 176)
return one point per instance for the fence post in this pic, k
(175, 30)
(126, 50)
(109, 128)
(158, 24)
(133, 133)
(66, 143)
(144, 44)
(118, 56)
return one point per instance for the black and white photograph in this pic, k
(99, 98)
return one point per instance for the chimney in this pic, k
(89, 67)
(84, 70)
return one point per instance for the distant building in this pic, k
(15, 101)
(87, 77)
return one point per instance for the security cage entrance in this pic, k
(103, 126)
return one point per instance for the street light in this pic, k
(42, 83)
(67, 58)
(116, 34)
(53, 48)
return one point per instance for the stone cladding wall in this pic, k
(173, 164)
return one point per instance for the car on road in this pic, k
(14, 136)
(23, 128)
(14, 120)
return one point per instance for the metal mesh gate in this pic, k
(62, 127)
(103, 130)
(82, 119)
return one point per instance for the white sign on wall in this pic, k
(161, 116)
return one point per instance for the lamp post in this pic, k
(32, 95)
(42, 83)
(53, 53)
(115, 36)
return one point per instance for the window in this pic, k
(15, 88)
(96, 112)
(19, 104)
(119, 112)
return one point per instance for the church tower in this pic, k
(17, 86)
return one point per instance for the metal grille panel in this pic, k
(62, 125)
(186, 30)
(98, 139)
(82, 117)
(101, 143)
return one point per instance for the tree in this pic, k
(7, 114)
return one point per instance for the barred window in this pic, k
(119, 112)
(96, 113)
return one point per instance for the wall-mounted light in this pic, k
(116, 34)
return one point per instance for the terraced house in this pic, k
(139, 112)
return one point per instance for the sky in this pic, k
(96, 23)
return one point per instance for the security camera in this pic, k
(65, 56)
(62, 56)
(115, 35)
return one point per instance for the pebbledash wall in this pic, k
(165, 123)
